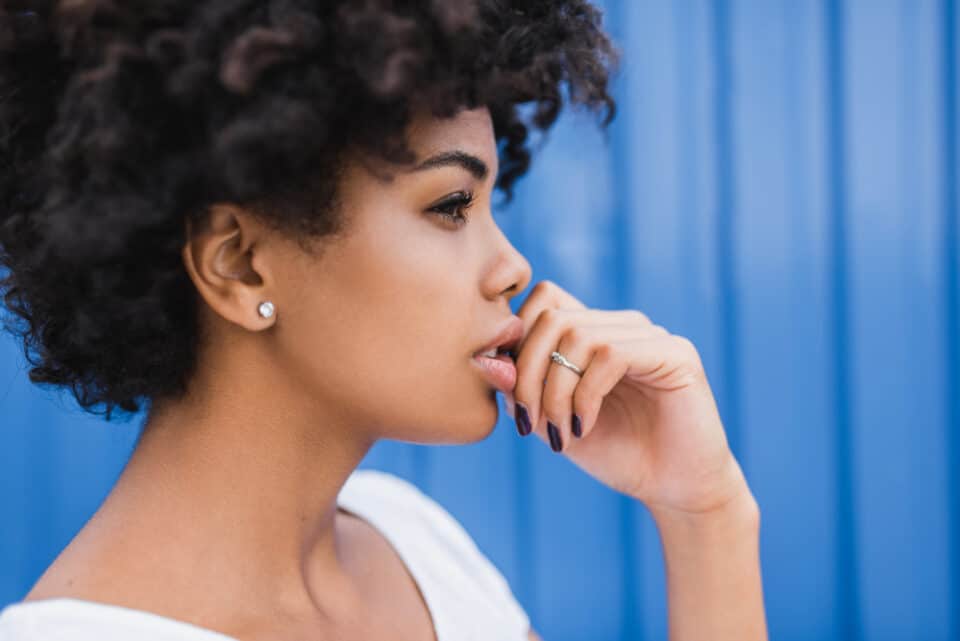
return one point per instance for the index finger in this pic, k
(544, 295)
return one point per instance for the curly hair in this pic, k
(121, 120)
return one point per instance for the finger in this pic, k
(553, 295)
(617, 333)
(576, 345)
(548, 295)
(533, 359)
(557, 398)
(664, 362)
(544, 295)
(634, 322)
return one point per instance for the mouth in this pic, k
(505, 343)
(500, 370)
(503, 350)
(497, 359)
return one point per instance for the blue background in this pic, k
(780, 187)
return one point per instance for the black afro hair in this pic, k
(121, 120)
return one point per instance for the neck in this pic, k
(231, 492)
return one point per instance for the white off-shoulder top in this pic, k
(468, 598)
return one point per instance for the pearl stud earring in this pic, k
(265, 309)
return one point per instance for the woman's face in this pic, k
(382, 323)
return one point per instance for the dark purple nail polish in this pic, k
(523, 419)
(577, 427)
(555, 443)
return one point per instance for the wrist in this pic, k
(721, 494)
(740, 511)
(712, 562)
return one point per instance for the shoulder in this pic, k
(433, 539)
(411, 509)
(393, 495)
(385, 495)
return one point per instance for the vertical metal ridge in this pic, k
(725, 185)
(847, 589)
(619, 145)
(948, 179)
(630, 629)
(525, 530)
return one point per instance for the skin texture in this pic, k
(283, 409)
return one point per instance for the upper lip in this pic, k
(507, 338)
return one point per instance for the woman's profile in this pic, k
(268, 223)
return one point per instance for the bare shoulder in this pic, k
(61, 578)
(79, 571)
(533, 636)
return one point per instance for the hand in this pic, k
(650, 425)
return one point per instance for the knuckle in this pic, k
(604, 352)
(548, 313)
(550, 317)
(576, 335)
(543, 287)
(688, 351)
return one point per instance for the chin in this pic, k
(486, 424)
(472, 425)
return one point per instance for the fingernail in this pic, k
(577, 427)
(555, 443)
(523, 420)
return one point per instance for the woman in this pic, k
(269, 223)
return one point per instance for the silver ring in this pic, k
(559, 358)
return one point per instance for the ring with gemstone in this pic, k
(559, 358)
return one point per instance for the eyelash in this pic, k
(459, 202)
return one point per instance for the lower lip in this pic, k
(501, 372)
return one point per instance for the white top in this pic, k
(468, 598)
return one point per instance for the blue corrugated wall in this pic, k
(779, 186)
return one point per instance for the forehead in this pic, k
(469, 131)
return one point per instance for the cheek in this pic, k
(405, 371)
(417, 348)
(416, 295)
(388, 334)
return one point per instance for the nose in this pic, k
(511, 271)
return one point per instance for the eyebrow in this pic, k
(471, 163)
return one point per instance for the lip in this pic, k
(508, 337)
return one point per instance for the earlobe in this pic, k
(220, 262)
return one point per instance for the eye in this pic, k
(454, 207)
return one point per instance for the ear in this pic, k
(227, 262)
